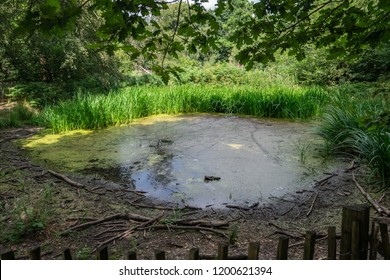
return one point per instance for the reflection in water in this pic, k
(169, 157)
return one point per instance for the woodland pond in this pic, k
(199, 160)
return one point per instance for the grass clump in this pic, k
(360, 126)
(121, 107)
(18, 115)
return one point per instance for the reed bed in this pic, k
(88, 111)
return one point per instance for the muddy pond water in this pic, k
(199, 160)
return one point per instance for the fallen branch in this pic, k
(323, 181)
(285, 231)
(197, 228)
(289, 210)
(237, 207)
(128, 216)
(130, 231)
(202, 223)
(71, 182)
(379, 208)
(158, 207)
(312, 205)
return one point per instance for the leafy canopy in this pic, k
(344, 27)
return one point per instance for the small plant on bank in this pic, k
(29, 216)
(233, 234)
(84, 253)
(302, 147)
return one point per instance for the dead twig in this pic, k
(323, 181)
(71, 182)
(130, 231)
(379, 208)
(128, 216)
(312, 205)
(197, 228)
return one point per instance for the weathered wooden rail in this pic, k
(357, 243)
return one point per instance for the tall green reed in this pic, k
(120, 107)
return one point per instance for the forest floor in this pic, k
(39, 207)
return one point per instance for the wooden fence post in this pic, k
(332, 244)
(355, 240)
(361, 215)
(373, 241)
(35, 254)
(282, 253)
(385, 240)
(132, 255)
(67, 254)
(102, 253)
(10, 255)
(159, 255)
(223, 251)
(253, 250)
(310, 241)
(194, 254)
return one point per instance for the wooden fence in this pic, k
(357, 243)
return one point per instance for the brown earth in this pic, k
(37, 207)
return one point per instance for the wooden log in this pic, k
(159, 255)
(253, 250)
(194, 254)
(223, 251)
(35, 254)
(132, 255)
(310, 241)
(10, 255)
(102, 253)
(385, 240)
(67, 254)
(373, 241)
(355, 240)
(282, 253)
(332, 245)
(360, 214)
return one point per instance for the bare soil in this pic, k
(36, 208)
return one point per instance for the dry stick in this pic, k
(380, 209)
(289, 210)
(323, 181)
(151, 206)
(198, 228)
(71, 182)
(312, 205)
(162, 207)
(128, 216)
(130, 231)
(202, 223)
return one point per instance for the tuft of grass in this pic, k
(123, 106)
(302, 147)
(20, 114)
(360, 126)
(374, 148)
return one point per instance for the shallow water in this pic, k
(169, 157)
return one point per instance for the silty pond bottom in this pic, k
(198, 160)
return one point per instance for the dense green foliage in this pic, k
(119, 107)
